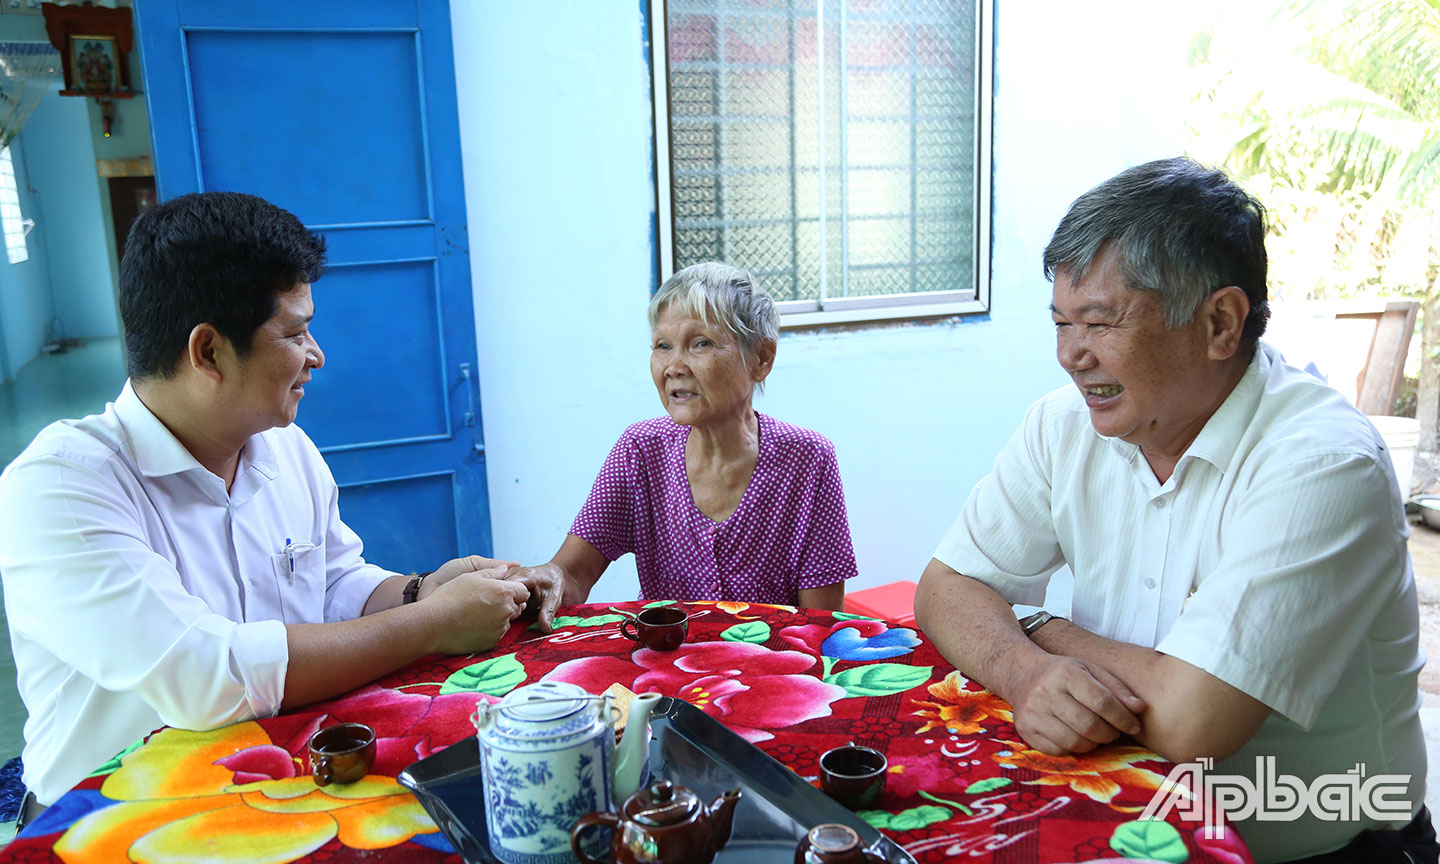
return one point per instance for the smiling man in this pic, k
(179, 559)
(1242, 584)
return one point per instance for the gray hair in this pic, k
(1176, 228)
(728, 296)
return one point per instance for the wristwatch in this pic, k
(412, 588)
(1031, 623)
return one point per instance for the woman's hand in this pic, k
(565, 579)
(546, 583)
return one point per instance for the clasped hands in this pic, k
(1065, 705)
(543, 584)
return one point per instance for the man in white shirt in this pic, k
(179, 559)
(1242, 584)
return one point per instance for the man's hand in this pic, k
(546, 584)
(456, 566)
(463, 612)
(472, 610)
(1064, 705)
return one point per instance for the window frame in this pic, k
(17, 228)
(840, 310)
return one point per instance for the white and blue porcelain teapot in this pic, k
(549, 757)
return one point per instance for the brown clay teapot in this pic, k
(663, 824)
(834, 844)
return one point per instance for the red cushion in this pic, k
(894, 602)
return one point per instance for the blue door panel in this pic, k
(344, 113)
(382, 242)
(309, 15)
(358, 397)
(394, 539)
(369, 85)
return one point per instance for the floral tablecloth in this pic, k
(795, 682)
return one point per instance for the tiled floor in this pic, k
(73, 384)
(52, 386)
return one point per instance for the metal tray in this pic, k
(688, 746)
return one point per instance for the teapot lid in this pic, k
(663, 803)
(547, 700)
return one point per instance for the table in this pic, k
(795, 682)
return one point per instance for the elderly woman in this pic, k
(716, 500)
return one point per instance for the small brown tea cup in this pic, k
(853, 775)
(659, 628)
(833, 843)
(342, 753)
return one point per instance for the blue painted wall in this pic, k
(71, 272)
(25, 305)
(61, 159)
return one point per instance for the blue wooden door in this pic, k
(344, 113)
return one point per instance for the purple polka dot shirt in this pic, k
(789, 532)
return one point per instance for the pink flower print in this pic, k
(749, 688)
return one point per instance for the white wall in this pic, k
(556, 131)
(555, 127)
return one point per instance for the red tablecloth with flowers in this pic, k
(795, 682)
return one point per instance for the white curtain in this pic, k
(26, 70)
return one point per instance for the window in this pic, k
(11, 220)
(838, 149)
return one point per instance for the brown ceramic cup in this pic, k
(834, 844)
(342, 753)
(853, 775)
(659, 628)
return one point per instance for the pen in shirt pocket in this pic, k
(289, 551)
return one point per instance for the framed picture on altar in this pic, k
(94, 43)
(95, 63)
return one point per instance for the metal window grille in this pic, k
(12, 221)
(838, 149)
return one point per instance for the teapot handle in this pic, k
(588, 821)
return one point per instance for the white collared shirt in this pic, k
(140, 593)
(1274, 558)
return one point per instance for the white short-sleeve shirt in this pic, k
(1274, 558)
(140, 593)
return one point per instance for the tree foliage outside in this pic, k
(1329, 112)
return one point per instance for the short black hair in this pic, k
(208, 257)
(1176, 228)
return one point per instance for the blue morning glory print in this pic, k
(847, 643)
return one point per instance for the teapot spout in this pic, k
(634, 750)
(722, 817)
